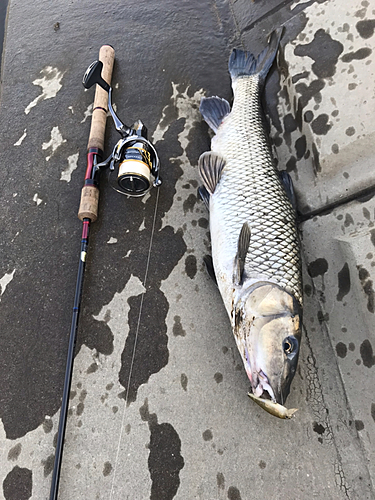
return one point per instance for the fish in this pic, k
(255, 244)
(273, 408)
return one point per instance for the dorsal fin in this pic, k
(214, 110)
(242, 249)
(210, 167)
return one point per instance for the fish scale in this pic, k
(250, 191)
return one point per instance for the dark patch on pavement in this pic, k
(15, 452)
(324, 51)
(318, 267)
(207, 435)
(189, 203)
(300, 146)
(184, 381)
(373, 411)
(262, 464)
(107, 469)
(348, 220)
(165, 460)
(18, 485)
(343, 282)
(218, 377)
(366, 28)
(146, 347)
(318, 428)
(367, 285)
(359, 425)
(367, 354)
(178, 330)
(220, 479)
(341, 350)
(48, 465)
(358, 54)
(191, 266)
(316, 161)
(372, 236)
(320, 125)
(234, 493)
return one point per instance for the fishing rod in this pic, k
(136, 161)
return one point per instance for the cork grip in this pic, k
(99, 114)
(88, 208)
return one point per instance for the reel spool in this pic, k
(137, 162)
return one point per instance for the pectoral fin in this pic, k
(210, 167)
(242, 249)
(214, 110)
(207, 259)
(205, 196)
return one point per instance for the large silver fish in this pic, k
(255, 245)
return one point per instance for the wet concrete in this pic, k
(158, 403)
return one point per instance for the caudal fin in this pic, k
(243, 63)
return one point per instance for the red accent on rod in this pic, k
(85, 229)
(90, 165)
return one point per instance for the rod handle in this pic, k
(88, 207)
(99, 114)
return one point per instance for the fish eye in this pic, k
(290, 345)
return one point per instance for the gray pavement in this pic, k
(158, 402)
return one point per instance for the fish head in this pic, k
(268, 334)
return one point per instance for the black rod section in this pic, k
(69, 363)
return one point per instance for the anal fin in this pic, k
(242, 249)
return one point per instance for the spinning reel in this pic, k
(134, 157)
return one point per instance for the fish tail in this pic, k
(242, 63)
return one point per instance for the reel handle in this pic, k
(88, 208)
(99, 114)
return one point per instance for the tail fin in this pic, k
(243, 63)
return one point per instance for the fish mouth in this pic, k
(261, 386)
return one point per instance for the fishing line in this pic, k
(135, 342)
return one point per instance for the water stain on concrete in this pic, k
(358, 54)
(184, 381)
(359, 425)
(146, 347)
(366, 28)
(367, 285)
(178, 330)
(220, 480)
(191, 266)
(341, 350)
(48, 465)
(343, 277)
(367, 354)
(107, 469)
(318, 267)
(18, 484)
(234, 493)
(165, 460)
(207, 435)
(324, 51)
(15, 452)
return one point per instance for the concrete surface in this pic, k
(158, 402)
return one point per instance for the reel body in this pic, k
(134, 157)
